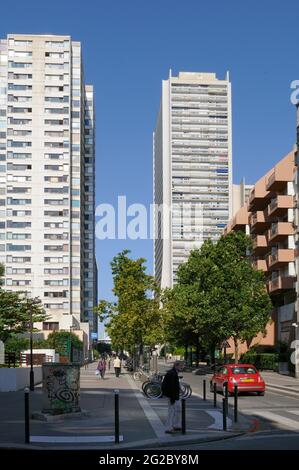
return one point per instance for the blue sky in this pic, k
(128, 48)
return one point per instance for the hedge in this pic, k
(267, 361)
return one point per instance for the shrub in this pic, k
(266, 361)
(16, 344)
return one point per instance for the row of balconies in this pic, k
(278, 284)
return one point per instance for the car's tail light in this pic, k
(260, 379)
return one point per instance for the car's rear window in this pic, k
(244, 370)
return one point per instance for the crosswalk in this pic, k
(282, 418)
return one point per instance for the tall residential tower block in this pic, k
(192, 168)
(47, 177)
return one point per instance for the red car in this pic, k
(245, 376)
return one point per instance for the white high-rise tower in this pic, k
(47, 177)
(192, 168)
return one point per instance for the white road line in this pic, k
(77, 439)
(290, 423)
(293, 412)
(217, 417)
(152, 417)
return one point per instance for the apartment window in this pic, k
(20, 156)
(56, 202)
(18, 236)
(13, 282)
(15, 143)
(56, 295)
(15, 121)
(55, 271)
(12, 109)
(20, 202)
(54, 167)
(56, 179)
(54, 88)
(56, 110)
(63, 190)
(19, 189)
(54, 77)
(63, 213)
(16, 167)
(10, 270)
(13, 224)
(55, 306)
(56, 282)
(10, 247)
(21, 65)
(18, 132)
(50, 326)
(18, 259)
(19, 76)
(18, 213)
(54, 122)
(54, 144)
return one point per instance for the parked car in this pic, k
(245, 376)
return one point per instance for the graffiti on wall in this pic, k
(61, 384)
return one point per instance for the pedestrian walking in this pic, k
(101, 367)
(171, 389)
(117, 366)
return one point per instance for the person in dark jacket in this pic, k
(171, 389)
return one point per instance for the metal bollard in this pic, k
(204, 389)
(27, 421)
(226, 396)
(236, 403)
(215, 395)
(183, 416)
(116, 416)
(224, 413)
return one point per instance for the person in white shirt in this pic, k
(117, 366)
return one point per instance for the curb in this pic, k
(155, 443)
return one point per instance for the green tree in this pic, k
(220, 294)
(58, 339)
(134, 320)
(15, 312)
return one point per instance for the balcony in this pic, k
(260, 264)
(279, 231)
(240, 220)
(278, 180)
(280, 257)
(258, 222)
(281, 283)
(279, 205)
(259, 244)
(258, 198)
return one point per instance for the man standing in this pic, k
(171, 389)
(117, 365)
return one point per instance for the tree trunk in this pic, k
(190, 352)
(212, 353)
(141, 355)
(186, 352)
(236, 350)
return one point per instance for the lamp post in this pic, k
(31, 352)
(71, 346)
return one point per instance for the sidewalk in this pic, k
(141, 420)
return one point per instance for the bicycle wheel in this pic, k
(144, 384)
(183, 390)
(153, 390)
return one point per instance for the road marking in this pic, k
(76, 439)
(151, 415)
(293, 412)
(291, 423)
(217, 416)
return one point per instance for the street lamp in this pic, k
(31, 352)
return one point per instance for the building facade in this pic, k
(241, 194)
(47, 177)
(269, 217)
(192, 151)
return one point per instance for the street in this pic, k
(274, 417)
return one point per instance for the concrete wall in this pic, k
(13, 379)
